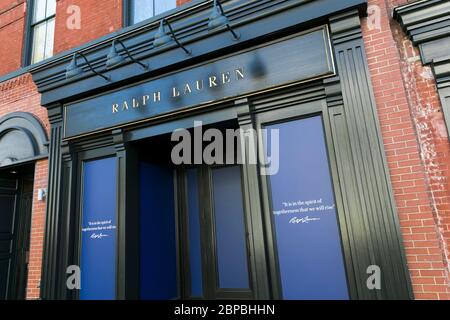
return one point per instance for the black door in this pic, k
(16, 186)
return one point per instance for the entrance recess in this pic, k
(195, 226)
(193, 232)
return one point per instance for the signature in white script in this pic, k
(98, 235)
(306, 219)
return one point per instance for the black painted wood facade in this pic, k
(367, 215)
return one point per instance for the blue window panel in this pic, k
(195, 253)
(99, 232)
(304, 212)
(158, 240)
(230, 229)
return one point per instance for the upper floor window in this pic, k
(41, 30)
(140, 10)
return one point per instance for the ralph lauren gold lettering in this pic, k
(239, 73)
(145, 99)
(199, 85)
(226, 77)
(212, 81)
(157, 96)
(187, 89)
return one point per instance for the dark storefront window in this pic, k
(158, 261)
(140, 10)
(42, 30)
(308, 243)
(99, 230)
(229, 228)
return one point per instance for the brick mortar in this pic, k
(400, 92)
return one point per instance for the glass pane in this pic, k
(164, 5)
(229, 226)
(141, 10)
(39, 10)
(51, 7)
(304, 212)
(99, 231)
(195, 256)
(158, 280)
(49, 38)
(38, 50)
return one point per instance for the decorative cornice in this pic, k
(441, 69)
(427, 24)
(256, 21)
(345, 27)
(425, 20)
(15, 82)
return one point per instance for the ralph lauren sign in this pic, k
(298, 58)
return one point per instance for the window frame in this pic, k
(28, 36)
(208, 240)
(128, 10)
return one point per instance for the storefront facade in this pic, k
(221, 231)
(272, 150)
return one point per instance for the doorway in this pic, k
(16, 198)
(197, 229)
(193, 227)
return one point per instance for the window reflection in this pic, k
(145, 9)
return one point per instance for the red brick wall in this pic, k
(37, 231)
(417, 148)
(180, 2)
(12, 21)
(97, 18)
(20, 94)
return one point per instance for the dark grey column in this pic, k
(373, 234)
(252, 201)
(50, 266)
(67, 220)
(128, 219)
